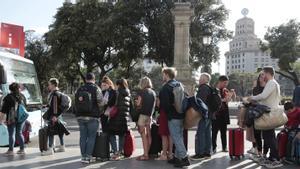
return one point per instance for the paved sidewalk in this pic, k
(71, 158)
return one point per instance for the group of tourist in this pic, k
(107, 97)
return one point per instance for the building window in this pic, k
(227, 62)
(262, 65)
(239, 61)
(256, 53)
(239, 66)
(227, 67)
(255, 65)
(232, 67)
(267, 59)
(232, 61)
(235, 66)
(255, 59)
(243, 66)
(262, 59)
(244, 53)
(243, 60)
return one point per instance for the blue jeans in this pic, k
(13, 131)
(176, 132)
(113, 143)
(51, 140)
(203, 137)
(88, 132)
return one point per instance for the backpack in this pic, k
(214, 100)
(179, 96)
(83, 101)
(65, 102)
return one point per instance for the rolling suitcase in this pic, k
(282, 140)
(101, 148)
(43, 139)
(129, 145)
(156, 144)
(236, 143)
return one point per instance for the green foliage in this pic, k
(283, 41)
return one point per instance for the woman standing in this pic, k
(163, 130)
(14, 127)
(117, 125)
(109, 97)
(257, 145)
(146, 102)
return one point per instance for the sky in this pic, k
(38, 15)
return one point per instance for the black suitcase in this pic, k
(156, 144)
(43, 139)
(102, 149)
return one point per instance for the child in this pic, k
(293, 115)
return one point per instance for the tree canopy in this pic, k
(283, 41)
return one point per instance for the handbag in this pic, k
(113, 112)
(272, 120)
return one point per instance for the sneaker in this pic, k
(9, 153)
(288, 161)
(173, 160)
(207, 156)
(252, 151)
(182, 163)
(48, 152)
(265, 162)
(21, 152)
(274, 164)
(195, 157)
(200, 157)
(61, 149)
(85, 160)
(214, 151)
(256, 158)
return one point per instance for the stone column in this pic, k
(182, 19)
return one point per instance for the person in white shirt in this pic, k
(271, 98)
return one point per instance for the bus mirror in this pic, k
(3, 77)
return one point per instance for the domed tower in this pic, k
(244, 55)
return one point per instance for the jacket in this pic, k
(9, 102)
(222, 116)
(203, 93)
(118, 124)
(166, 98)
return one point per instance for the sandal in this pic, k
(162, 158)
(142, 158)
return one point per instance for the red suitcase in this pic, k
(236, 143)
(282, 139)
(129, 145)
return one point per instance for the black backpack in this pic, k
(83, 101)
(214, 100)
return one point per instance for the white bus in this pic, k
(14, 68)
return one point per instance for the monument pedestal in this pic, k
(182, 19)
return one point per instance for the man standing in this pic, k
(203, 136)
(175, 119)
(221, 117)
(88, 104)
(271, 98)
(56, 107)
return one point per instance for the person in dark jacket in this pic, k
(257, 145)
(54, 117)
(14, 127)
(221, 118)
(118, 123)
(146, 102)
(88, 121)
(203, 135)
(175, 119)
(109, 97)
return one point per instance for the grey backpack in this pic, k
(179, 96)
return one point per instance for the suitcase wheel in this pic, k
(231, 157)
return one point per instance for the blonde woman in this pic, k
(146, 102)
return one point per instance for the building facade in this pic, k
(244, 55)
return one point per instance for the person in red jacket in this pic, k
(293, 114)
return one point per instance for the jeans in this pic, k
(176, 132)
(88, 132)
(15, 130)
(113, 143)
(203, 137)
(51, 140)
(216, 127)
(270, 142)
